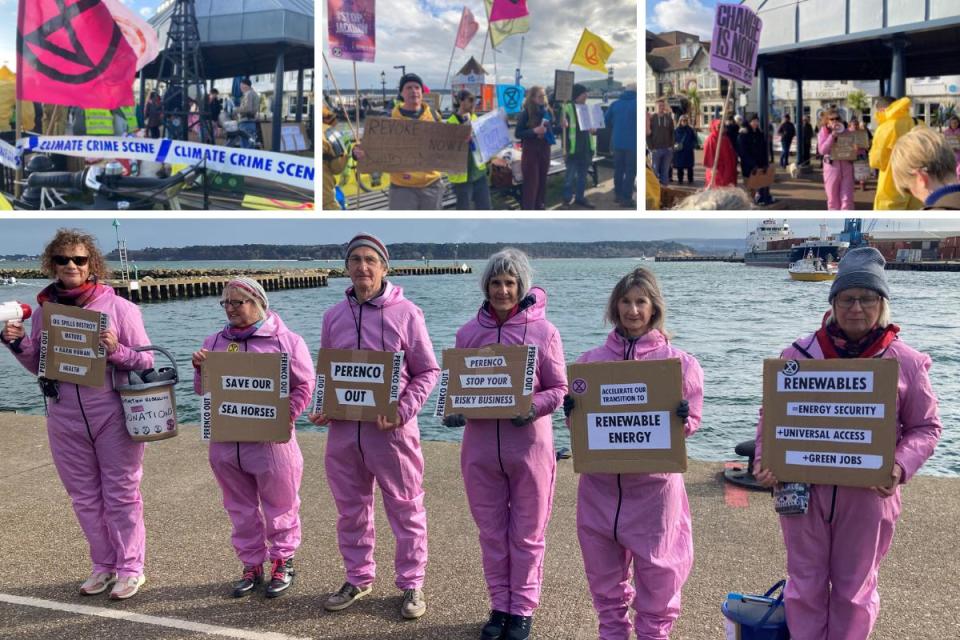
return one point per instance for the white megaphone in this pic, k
(14, 311)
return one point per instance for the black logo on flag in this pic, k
(511, 98)
(78, 56)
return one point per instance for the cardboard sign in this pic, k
(491, 382)
(624, 419)
(433, 99)
(843, 147)
(953, 141)
(491, 133)
(563, 85)
(70, 349)
(351, 29)
(590, 116)
(830, 421)
(736, 42)
(861, 171)
(246, 397)
(355, 384)
(761, 178)
(394, 145)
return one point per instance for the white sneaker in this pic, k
(127, 587)
(97, 583)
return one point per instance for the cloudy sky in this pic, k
(8, 26)
(692, 16)
(421, 33)
(30, 236)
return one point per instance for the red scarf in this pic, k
(78, 297)
(835, 344)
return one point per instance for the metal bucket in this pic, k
(149, 406)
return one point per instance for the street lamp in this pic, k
(383, 86)
(403, 69)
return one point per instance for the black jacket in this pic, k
(752, 147)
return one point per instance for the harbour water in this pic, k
(729, 316)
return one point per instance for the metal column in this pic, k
(277, 102)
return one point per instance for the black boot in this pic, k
(251, 579)
(496, 627)
(281, 577)
(519, 627)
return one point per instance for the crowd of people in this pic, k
(540, 126)
(209, 120)
(634, 529)
(737, 141)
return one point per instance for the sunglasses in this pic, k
(80, 261)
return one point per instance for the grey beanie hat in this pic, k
(861, 267)
(371, 241)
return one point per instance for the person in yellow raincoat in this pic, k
(894, 122)
(334, 159)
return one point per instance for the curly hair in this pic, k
(66, 238)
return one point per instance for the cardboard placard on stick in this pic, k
(70, 349)
(830, 421)
(490, 382)
(402, 145)
(761, 178)
(624, 417)
(246, 397)
(563, 85)
(356, 384)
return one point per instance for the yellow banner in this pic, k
(592, 52)
(272, 204)
(503, 29)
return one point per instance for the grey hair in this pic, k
(723, 199)
(882, 321)
(512, 262)
(246, 296)
(643, 279)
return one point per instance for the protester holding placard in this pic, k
(834, 547)
(581, 147)
(535, 132)
(98, 463)
(376, 316)
(509, 466)
(837, 174)
(473, 183)
(260, 481)
(638, 520)
(924, 166)
(952, 133)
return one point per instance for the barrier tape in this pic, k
(266, 165)
(9, 155)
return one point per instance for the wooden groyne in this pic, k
(149, 289)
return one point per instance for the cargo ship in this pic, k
(773, 244)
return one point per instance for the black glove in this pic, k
(683, 410)
(568, 404)
(455, 420)
(521, 421)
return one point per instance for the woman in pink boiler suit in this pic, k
(834, 550)
(837, 174)
(638, 523)
(375, 315)
(98, 463)
(261, 480)
(509, 466)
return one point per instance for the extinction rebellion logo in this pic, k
(58, 45)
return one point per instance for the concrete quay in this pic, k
(190, 562)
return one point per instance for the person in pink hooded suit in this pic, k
(260, 480)
(375, 316)
(834, 550)
(509, 466)
(638, 519)
(837, 174)
(98, 463)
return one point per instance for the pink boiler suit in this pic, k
(261, 480)
(509, 471)
(98, 463)
(359, 454)
(837, 177)
(834, 550)
(641, 519)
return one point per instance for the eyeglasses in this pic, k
(80, 261)
(833, 119)
(866, 302)
(356, 261)
(233, 304)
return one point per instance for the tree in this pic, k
(694, 97)
(859, 102)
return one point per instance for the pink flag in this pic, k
(468, 29)
(73, 53)
(141, 37)
(508, 10)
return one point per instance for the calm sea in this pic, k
(729, 316)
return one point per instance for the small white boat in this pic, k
(812, 269)
(8, 280)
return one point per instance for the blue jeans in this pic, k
(785, 151)
(577, 167)
(478, 190)
(250, 128)
(624, 173)
(662, 160)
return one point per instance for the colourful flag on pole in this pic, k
(508, 10)
(75, 57)
(468, 28)
(141, 37)
(503, 29)
(352, 30)
(592, 52)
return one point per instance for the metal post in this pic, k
(277, 102)
(763, 98)
(802, 143)
(299, 117)
(898, 80)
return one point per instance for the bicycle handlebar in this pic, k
(57, 180)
